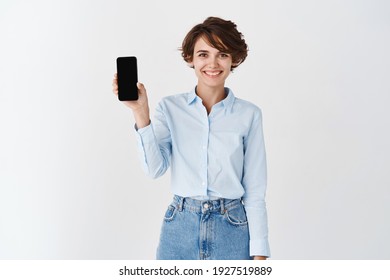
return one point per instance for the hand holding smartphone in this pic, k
(127, 78)
(134, 96)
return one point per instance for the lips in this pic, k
(212, 74)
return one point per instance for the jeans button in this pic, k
(206, 206)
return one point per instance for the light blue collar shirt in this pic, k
(221, 154)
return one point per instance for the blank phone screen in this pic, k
(127, 78)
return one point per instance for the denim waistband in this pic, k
(202, 206)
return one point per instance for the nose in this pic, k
(213, 63)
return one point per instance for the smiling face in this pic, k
(212, 66)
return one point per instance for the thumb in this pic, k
(141, 87)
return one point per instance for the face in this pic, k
(212, 67)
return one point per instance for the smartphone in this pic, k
(127, 78)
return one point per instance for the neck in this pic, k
(210, 95)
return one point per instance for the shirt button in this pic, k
(204, 147)
(203, 183)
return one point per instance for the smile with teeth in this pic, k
(212, 73)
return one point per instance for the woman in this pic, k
(213, 142)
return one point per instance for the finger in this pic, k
(115, 88)
(141, 88)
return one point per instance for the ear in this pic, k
(190, 64)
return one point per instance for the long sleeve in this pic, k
(155, 145)
(255, 184)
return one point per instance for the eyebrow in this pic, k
(200, 51)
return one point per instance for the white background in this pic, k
(71, 184)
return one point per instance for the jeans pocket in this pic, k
(236, 216)
(170, 213)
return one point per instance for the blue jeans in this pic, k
(204, 230)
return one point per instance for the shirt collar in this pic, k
(227, 102)
(191, 96)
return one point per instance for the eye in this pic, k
(202, 55)
(224, 55)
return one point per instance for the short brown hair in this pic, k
(220, 34)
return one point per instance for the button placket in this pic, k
(204, 150)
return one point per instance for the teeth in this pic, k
(212, 73)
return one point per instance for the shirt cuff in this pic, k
(144, 135)
(259, 247)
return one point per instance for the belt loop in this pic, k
(222, 204)
(181, 202)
